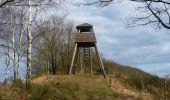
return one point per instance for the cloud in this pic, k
(160, 69)
(129, 46)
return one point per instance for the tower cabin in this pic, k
(85, 36)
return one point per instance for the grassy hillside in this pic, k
(60, 87)
(118, 69)
(76, 87)
(122, 83)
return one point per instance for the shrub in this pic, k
(136, 81)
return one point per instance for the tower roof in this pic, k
(84, 25)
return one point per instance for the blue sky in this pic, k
(140, 47)
(2, 71)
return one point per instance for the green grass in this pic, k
(78, 87)
(83, 87)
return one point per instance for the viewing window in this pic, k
(85, 30)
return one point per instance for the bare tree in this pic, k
(4, 2)
(34, 6)
(12, 18)
(54, 46)
(7, 62)
(19, 23)
(6, 54)
(155, 12)
(20, 40)
(29, 45)
(13, 26)
(8, 34)
(98, 3)
(8, 2)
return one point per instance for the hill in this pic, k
(122, 70)
(86, 87)
(76, 87)
(122, 83)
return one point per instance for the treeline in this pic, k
(40, 43)
(53, 49)
(19, 26)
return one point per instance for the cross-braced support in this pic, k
(75, 54)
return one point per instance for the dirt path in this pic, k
(127, 92)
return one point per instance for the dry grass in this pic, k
(129, 92)
(118, 89)
(75, 87)
(82, 87)
(12, 92)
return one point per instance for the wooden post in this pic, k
(80, 61)
(100, 61)
(91, 63)
(73, 59)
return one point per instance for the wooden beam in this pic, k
(91, 62)
(73, 59)
(81, 60)
(100, 61)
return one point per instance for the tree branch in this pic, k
(156, 16)
(7, 1)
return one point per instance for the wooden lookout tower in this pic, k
(85, 40)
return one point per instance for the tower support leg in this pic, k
(91, 62)
(81, 61)
(73, 59)
(100, 61)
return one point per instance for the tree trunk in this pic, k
(7, 64)
(53, 66)
(20, 43)
(13, 44)
(7, 73)
(29, 46)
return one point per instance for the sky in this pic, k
(141, 47)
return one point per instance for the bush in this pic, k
(136, 81)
